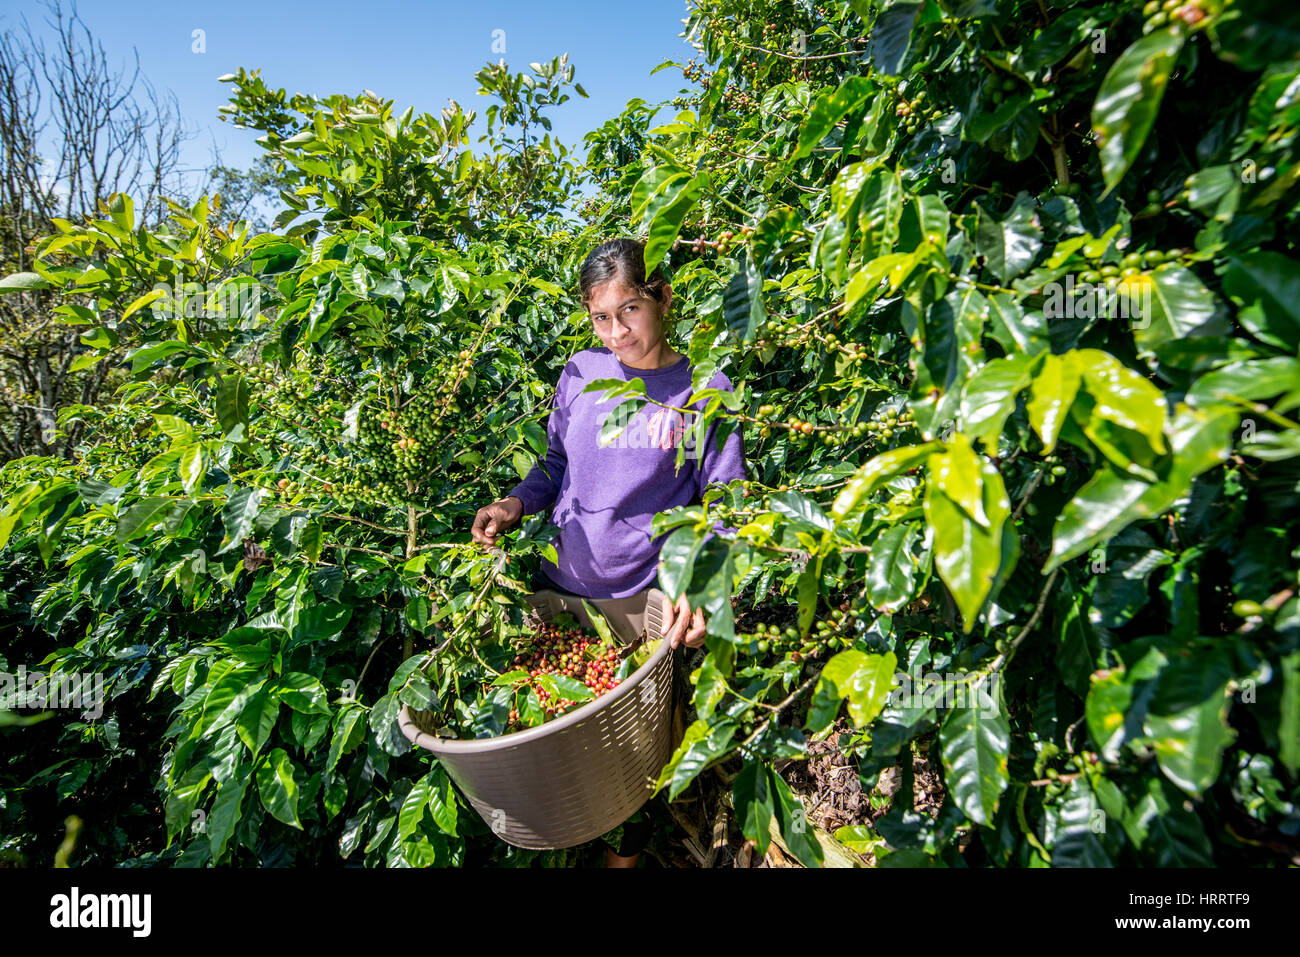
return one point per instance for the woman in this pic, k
(605, 496)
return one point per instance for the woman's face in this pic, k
(629, 326)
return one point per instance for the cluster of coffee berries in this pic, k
(886, 423)
(833, 631)
(915, 112)
(997, 88)
(786, 331)
(399, 441)
(394, 445)
(854, 350)
(1055, 469)
(1174, 13)
(845, 433)
(696, 71)
(1155, 203)
(724, 242)
(123, 430)
(567, 653)
(719, 139)
(829, 434)
(1112, 274)
(591, 209)
(737, 99)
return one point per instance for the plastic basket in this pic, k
(577, 776)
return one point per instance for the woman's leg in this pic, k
(636, 834)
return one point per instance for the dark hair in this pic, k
(624, 259)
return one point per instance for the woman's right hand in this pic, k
(496, 519)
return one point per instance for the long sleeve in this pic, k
(725, 464)
(541, 486)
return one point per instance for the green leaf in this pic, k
(648, 193)
(183, 797)
(742, 302)
(192, 468)
(1167, 834)
(122, 211)
(891, 568)
(142, 516)
(1179, 306)
(990, 396)
(755, 803)
(891, 37)
(1266, 287)
(1127, 450)
(874, 473)
(612, 389)
(238, 515)
(301, 692)
(1010, 244)
(442, 801)
(667, 219)
(1123, 396)
(1017, 330)
(677, 560)
(143, 301)
(975, 742)
(1051, 394)
(147, 355)
(1288, 726)
(180, 431)
(807, 590)
(256, 720)
(571, 688)
(232, 406)
(710, 687)
(18, 281)
(700, 746)
(967, 554)
(616, 422)
(801, 510)
(1251, 380)
(349, 732)
(1129, 99)
(865, 679)
(1199, 440)
(829, 108)
(277, 788)
(224, 818)
(956, 473)
(1079, 842)
(796, 830)
(1189, 743)
(412, 811)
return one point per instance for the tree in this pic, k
(73, 132)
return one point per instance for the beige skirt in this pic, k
(626, 615)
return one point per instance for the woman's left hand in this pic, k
(682, 625)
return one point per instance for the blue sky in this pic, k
(418, 53)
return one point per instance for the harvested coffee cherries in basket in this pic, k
(562, 668)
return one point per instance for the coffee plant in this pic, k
(1008, 294)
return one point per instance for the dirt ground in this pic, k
(699, 828)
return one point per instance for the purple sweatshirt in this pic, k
(605, 497)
